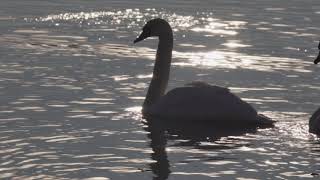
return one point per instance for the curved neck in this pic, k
(161, 70)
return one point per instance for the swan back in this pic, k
(208, 103)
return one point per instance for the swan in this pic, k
(318, 58)
(314, 121)
(197, 101)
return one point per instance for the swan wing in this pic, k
(211, 103)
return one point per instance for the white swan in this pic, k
(196, 101)
(314, 122)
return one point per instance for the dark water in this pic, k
(72, 82)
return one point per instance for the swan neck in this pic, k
(161, 70)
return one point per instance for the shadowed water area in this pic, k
(72, 84)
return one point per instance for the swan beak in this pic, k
(142, 36)
(318, 59)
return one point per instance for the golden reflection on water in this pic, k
(235, 44)
(44, 42)
(234, 60)
(197, 59)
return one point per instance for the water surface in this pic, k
(72, 83)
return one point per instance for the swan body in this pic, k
(318, 58)
(314, 122)
(196, 101)
(204, 103)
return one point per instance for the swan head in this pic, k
(318, 58)
(154, 28)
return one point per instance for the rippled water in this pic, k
(72, 82)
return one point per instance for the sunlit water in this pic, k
(72, 82)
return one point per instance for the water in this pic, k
(72, 83)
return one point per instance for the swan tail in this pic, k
(265, 121)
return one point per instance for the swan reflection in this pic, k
(192, 134)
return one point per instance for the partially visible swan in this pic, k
(318, 58)
(314, 122)
(196, 101)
